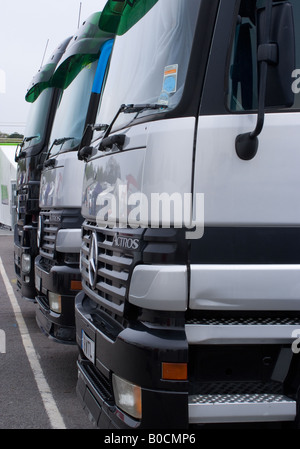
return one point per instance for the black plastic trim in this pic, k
(247, 245)
(165, 403)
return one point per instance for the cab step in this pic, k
(255, 404)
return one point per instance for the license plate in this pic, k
(38, 281)
(88, 347)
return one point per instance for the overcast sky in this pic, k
(25, 27)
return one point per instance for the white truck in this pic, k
(190, 260)
(79, 76)
(29, 157)
(8, 180)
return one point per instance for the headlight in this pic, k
(128, 397)
(54, 302)
(26, 263)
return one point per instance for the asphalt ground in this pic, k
(37, 375)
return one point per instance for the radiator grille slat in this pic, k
(113, 269)
(49, 234)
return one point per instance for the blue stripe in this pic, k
(102, 64)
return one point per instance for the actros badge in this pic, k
(125, 242)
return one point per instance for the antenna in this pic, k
(44, 53)
(79, 14)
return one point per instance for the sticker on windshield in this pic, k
(170, 79)
(169, 83)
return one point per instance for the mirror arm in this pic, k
(246, 144)
(261, 102)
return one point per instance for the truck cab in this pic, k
(29, 157)
(189, 309)
(79, 77)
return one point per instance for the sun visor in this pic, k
(84, 48)
(119, 16)
(43, 77)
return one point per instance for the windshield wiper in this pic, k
(130, 109)
(126, 109)
(99, 127)
(61, 141)
(22, 153)
(28, 139)
(88, 133)
(58, 142)
(118, 140)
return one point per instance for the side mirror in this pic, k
(276, 62)
(84, 153)
(50, 163)
(19, 153)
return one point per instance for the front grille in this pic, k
(49, 233)
(44, 302)
(22, 201)
(114, 266)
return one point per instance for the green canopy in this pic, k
(83, 49)
(42, 79)
(119, 16)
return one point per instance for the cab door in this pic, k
(252, 213)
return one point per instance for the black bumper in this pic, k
(136, 355)
(57, 279)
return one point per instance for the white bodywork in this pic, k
(158, 158)
(8, 176)
(61, 186)
(262, 192)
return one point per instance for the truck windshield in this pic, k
(154, 71)
(37, 119)
(71, 113)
